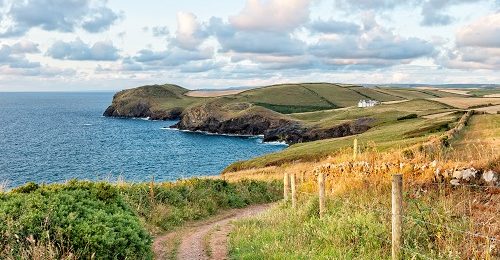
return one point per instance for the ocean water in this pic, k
(54, 137)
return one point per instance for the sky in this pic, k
(82, 45)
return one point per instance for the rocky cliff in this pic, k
(158, 102)
(248, 119)
(223, 115)
(142, 109)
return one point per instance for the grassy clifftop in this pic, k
(282, 98)
(153, 101)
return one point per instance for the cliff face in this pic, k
(243, 119)
(247, 119)
(142, 109)
(156, 102)
(224, 115)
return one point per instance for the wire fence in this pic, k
(463, 196)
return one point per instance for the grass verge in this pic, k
(358, 226)
(86, 220)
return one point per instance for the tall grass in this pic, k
(164, 206)
(440, 221)
(357, 225)
(89, 220)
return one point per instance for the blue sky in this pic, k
(71, 45)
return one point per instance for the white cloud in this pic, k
(477, 46)
(78, 50)
(189, 34)
(14, 56)
(272, 15)
(334, 26)
(433, 11)
(374, 47)
(485, 32)
(57, 15)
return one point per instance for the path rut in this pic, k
(206, 239)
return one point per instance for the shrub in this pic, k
(84, 218)
(410, 116)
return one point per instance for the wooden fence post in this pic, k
(355, 149)
(286, 186)
(397, 215)
(294, 191)
(302, 177)
(321, 187)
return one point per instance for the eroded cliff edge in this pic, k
(156, 102)
(249, 119)
(224, 115)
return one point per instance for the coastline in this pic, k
(261, 137)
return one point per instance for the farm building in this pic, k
(367, 103)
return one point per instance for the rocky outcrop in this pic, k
(247, 119)
(307, 134)
(222, 115)
(149, 102)
(142, 109)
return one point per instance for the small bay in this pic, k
(53, 137)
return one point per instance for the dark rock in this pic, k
(142, 109)
(217, 118)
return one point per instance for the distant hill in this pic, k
(437, 85)
(273, 110)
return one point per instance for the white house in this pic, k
(367, 103)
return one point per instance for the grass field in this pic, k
(357, 224)
(383, 113)
(283, 98)
(388, 133)
(480, 138)
(460, 102)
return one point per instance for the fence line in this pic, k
(452, 229)
(397, 213)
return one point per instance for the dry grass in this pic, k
(490, 109)
(213, 93)
(481, 138)
(438, 115)
(463, 103)
(39, 251)
(439, 219)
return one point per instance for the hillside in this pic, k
(450, 196)
(157, 102)
(293, 113)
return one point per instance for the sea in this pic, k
(54, 137)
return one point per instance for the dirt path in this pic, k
(204, 239)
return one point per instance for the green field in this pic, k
(283, 98)
(388, 132)
(484, 92)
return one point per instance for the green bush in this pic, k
(410, 116)
(84, 218)
(103, 221)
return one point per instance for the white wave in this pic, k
(211, 133)
(88, 124)
(278, 143)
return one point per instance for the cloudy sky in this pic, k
(68, 45)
